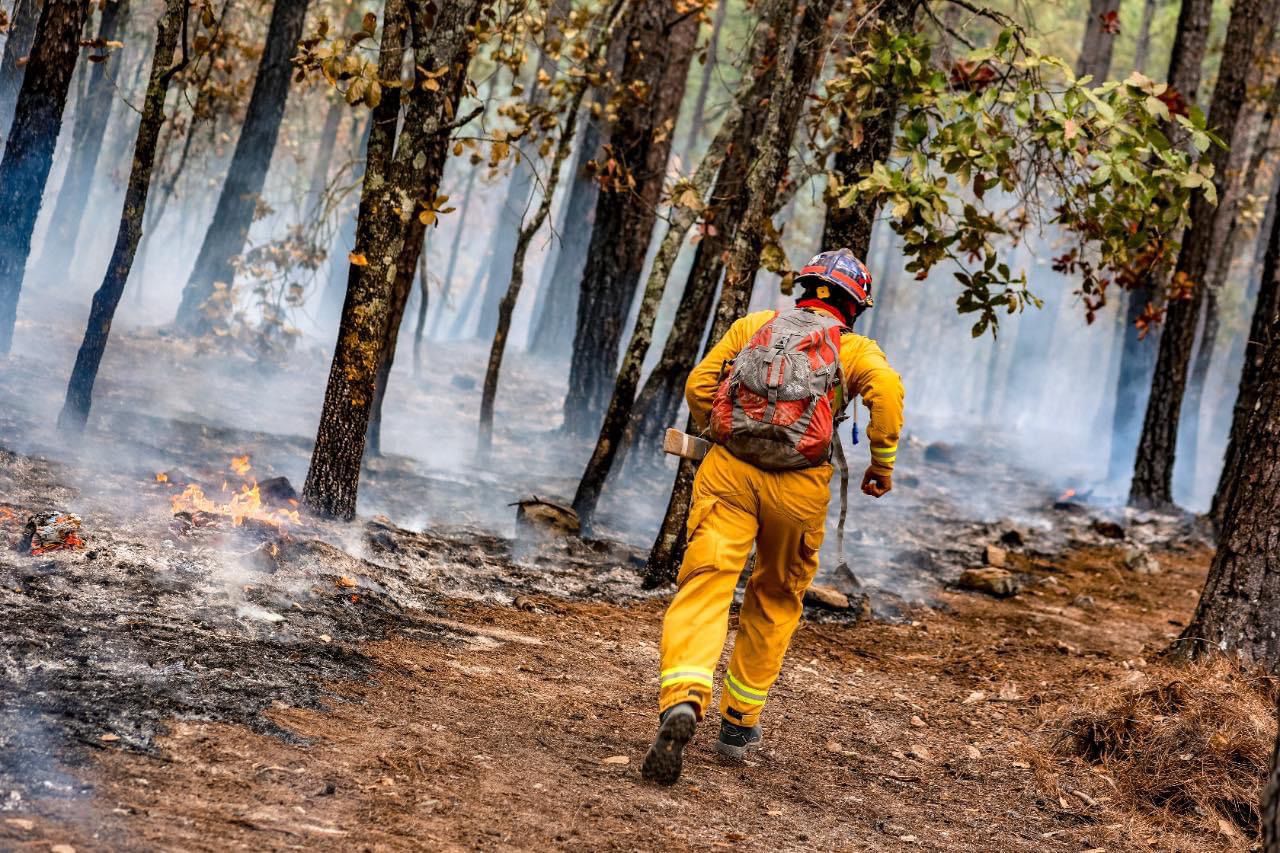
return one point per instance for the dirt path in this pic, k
(507, 728)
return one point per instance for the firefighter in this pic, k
(769, 395)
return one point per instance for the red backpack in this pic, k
(779, 399)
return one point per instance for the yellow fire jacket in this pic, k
(866, 370)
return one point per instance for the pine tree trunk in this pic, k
(553, 320)
(507, 306)
(400, 292)
(1153, 470)
(75, 409)
(22, 33)
(440, 40)
(1270, 810)
(28, 154)
(87, 135)
(1261, 340)
(621, 402)
(506, 231)
(424, 305)
(461, 230)
(704, 84)
(247, 172)
(850, 226)
(799, 56)
(1098, 44)
(1239, 610)
(324, 156)
(660, 43)
(1142, 48)
(1227, 217)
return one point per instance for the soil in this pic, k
(425, 679)
(522, 727)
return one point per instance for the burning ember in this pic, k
(244, 503)
(52, 531)
(162, 477)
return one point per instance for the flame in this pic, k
(246, 503)
(70, 542)
(162, 477)
(7, 514)
(1067, 495)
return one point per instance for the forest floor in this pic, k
(371, 686)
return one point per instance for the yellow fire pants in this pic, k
(735, 505)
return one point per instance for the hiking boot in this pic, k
(735, 740)
(664, 760)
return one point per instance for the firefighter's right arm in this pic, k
(700, 387)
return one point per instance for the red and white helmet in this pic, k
(839, 268)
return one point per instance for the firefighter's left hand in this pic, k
(877, 482)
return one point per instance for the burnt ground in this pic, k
(433, 682)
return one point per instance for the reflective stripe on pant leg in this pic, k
(742, 693)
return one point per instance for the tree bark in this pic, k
(87, 136)
(800, 55)
(75, 409)
(28, 154)
(1270, 810)
(22, 34)
(850, 226)
(1240, 179)
(553, 322)
(1153, 470)
(1098, 43)
(660, 43)
(621, 402)
(1261, 340)
(247, 172)
(1239, 610)
(395, 185)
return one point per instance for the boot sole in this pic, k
(665, 758)
(735, 753)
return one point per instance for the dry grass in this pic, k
(1195, 746)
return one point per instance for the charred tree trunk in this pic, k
(1239, 610)
(1263, 339)
(1157, 447)
(87, 135)
(1099, 40)
(454, 250)
(1227, 222)
(849, 226)
(800, 55)
(660, 43)
(400, 292)
(441, 38)
(621, 403)
(22, 33)
(28, 154)
(75, 409)
(247, 172)
(553, 320)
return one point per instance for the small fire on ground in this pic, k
(238, 503)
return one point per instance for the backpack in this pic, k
(780, 399)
